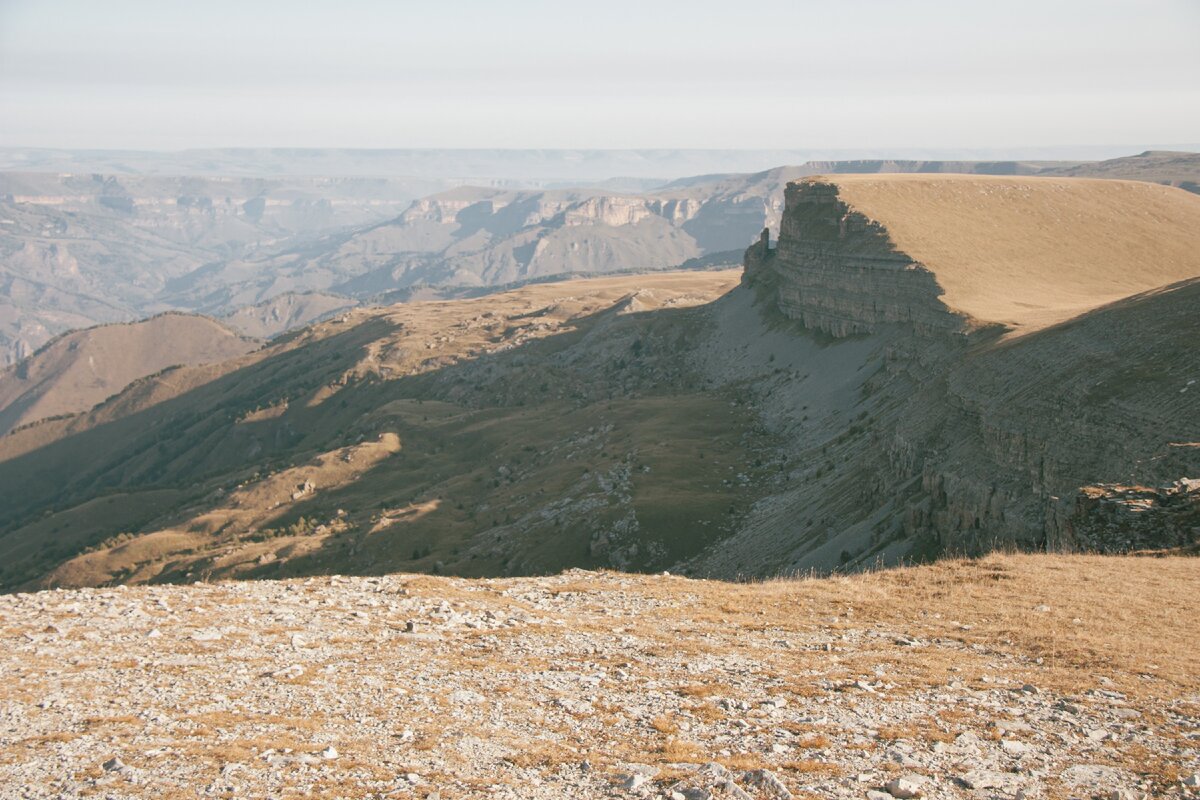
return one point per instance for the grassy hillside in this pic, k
(520, 432)
(1030, 252)
(80, 369)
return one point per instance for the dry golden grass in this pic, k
(1031, 252)
(811, 767)
(682, 751)
(742, 761)
(1116, 617)
(665, 724)
(927, 730)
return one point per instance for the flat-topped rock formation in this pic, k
(957, 253)
(960, 439)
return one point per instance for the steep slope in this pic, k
(519, 432)
(79, 369)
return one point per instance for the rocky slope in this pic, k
(78, 370)
(972, 680)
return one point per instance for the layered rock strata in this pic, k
(839, 272)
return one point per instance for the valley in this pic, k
(900, 378)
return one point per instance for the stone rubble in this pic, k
(582, 685)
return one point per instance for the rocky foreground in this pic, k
(1007, 677)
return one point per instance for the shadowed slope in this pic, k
(78, 370)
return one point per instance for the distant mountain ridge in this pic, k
(82, 249)
(1171, 168)
(553, 165)
(77, 370)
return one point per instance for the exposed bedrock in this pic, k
(838, 272)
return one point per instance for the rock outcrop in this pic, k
(838, 271)
(1110, 518)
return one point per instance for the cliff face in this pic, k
(962, 434)
(838, 272)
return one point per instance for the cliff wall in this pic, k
(837, 271)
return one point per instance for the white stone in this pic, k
(906, 787)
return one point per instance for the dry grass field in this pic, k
(1031, 252)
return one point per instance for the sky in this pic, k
(610, 74)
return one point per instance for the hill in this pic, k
(80, 369)
(1028, 253)
(862, 398)
(963, 680)
(1154, 166)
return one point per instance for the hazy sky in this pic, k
(608, 73)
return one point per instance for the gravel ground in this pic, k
(578, 685)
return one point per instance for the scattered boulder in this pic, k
(906, 787)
